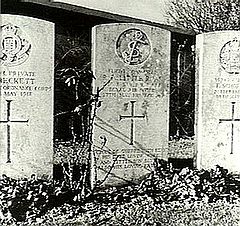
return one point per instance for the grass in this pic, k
(165, 197)
(142, 211)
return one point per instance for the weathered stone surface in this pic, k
(183, 148)
(131, 62)
(26, 95)
(218, 100)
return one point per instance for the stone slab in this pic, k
(218, 100)
(26, 96)
(132, 63)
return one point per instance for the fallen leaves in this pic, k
(165, 197)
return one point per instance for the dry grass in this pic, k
(142, 211)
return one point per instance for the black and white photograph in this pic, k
(120, 113)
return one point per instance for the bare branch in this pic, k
(205, 15)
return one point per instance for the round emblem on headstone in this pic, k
(133, 46)
(230, 56)
(14, 50)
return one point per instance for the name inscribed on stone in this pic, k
(20, 83)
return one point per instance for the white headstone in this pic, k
(26, 96)
(218, 100)
(132, 63)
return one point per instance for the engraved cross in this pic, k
(8, 123)
(232, 120)
(132, 117)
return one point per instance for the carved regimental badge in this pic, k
(133, 46)
(14, 49)
(230, 56)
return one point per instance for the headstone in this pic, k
(26, 96)
(218, 100)
(131, 63)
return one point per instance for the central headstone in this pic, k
(26, 96)
(218, 100)
(131, 63)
